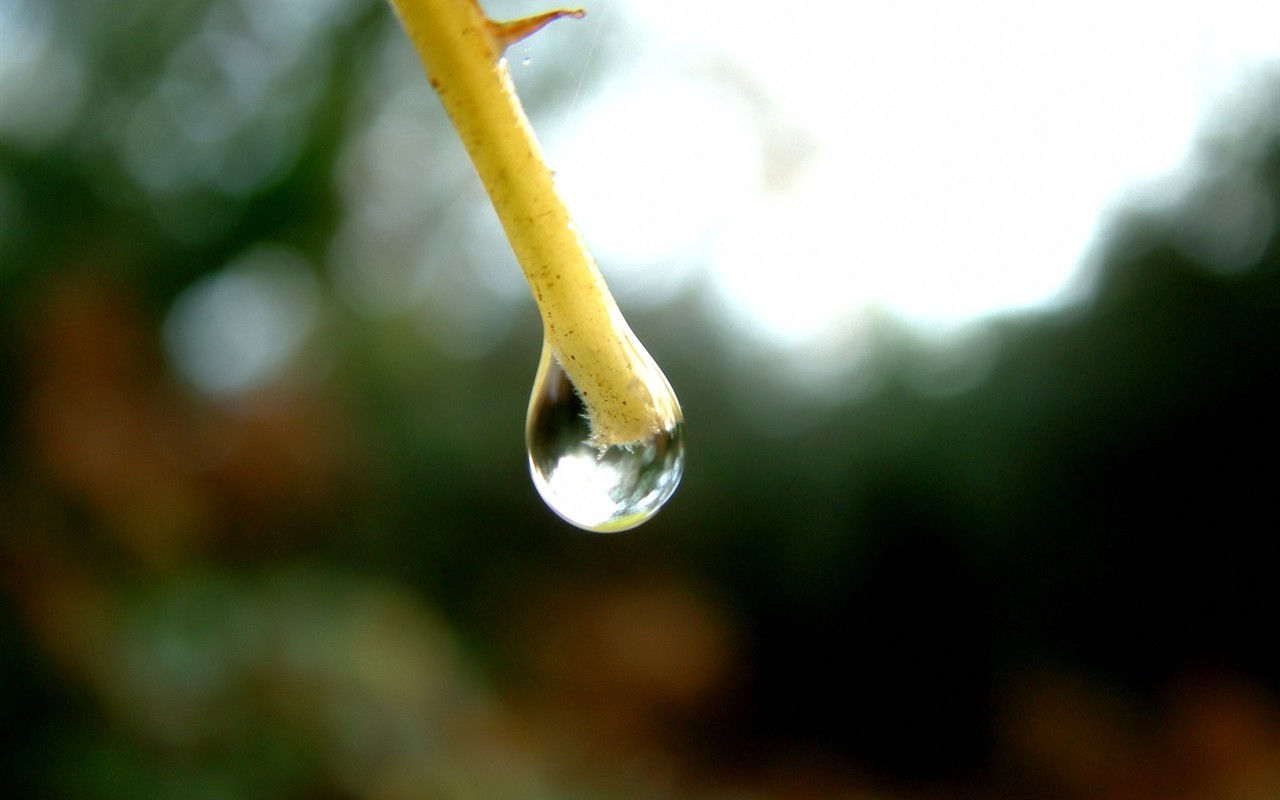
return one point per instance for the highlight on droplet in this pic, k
(605, 490)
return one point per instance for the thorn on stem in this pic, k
(505, 34)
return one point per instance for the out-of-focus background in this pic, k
(972, 309)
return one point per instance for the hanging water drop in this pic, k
(610, 489)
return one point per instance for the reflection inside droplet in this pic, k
(603, 491)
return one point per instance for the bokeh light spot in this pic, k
(236, 329)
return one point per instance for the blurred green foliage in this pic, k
(341, 584)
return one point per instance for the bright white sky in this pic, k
(935, 161)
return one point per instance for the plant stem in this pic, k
(461, 50)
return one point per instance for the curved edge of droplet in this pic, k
(620, 524)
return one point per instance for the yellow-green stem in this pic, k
(461, 50)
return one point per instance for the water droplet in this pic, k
(526, 61)
(605, 492)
